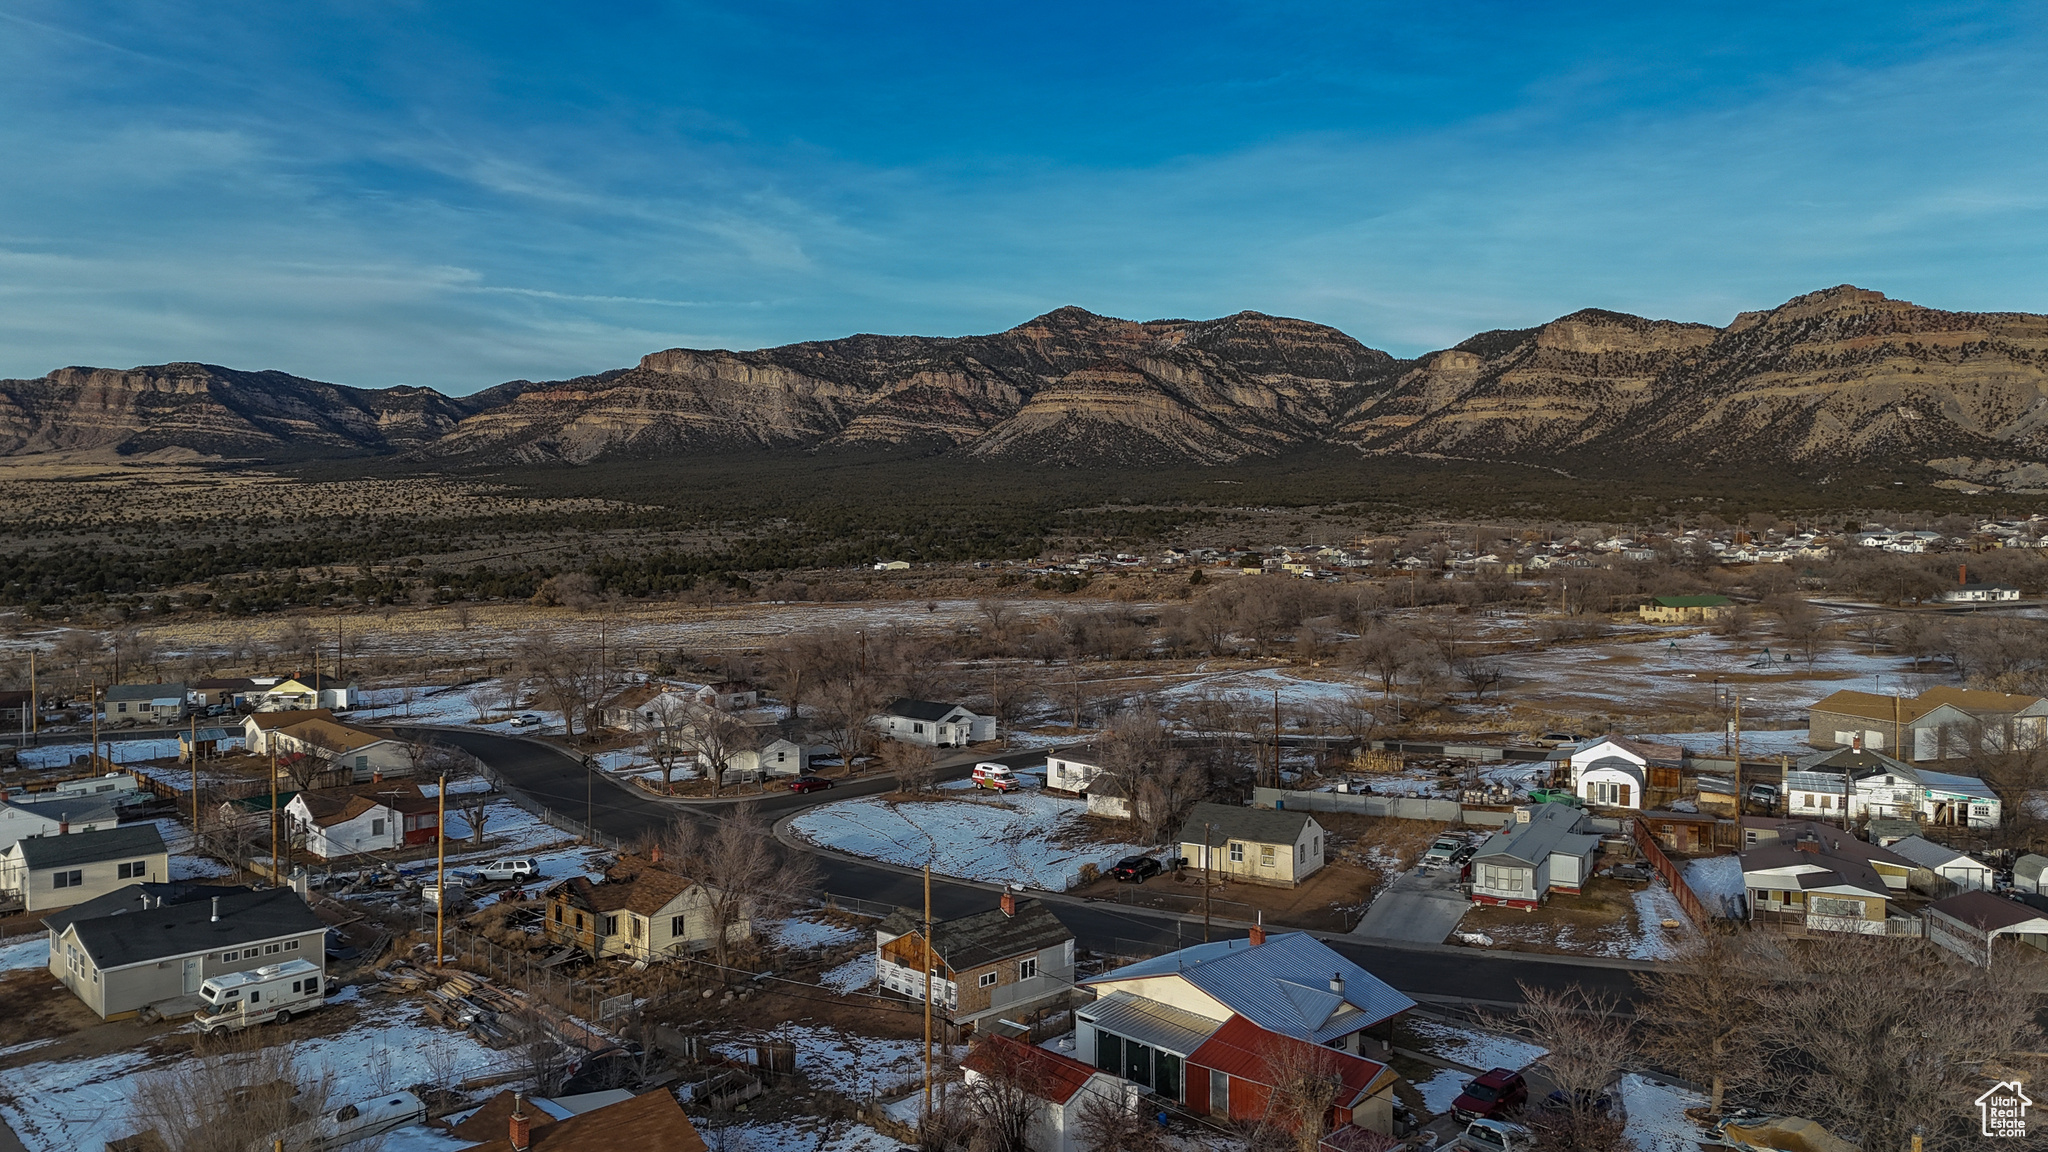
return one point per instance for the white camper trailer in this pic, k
(273, 992)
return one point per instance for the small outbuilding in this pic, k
(1943, 863)
(1969, 924)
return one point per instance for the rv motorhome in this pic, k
(273, 992)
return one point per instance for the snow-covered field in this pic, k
(860, 1067)
(1657, 906)
(811, 932)
(1787, 742)
(68, 1105)
(23, 953)
(1026, 837)
(816, 1134)
(1716, 880)
(855, 975)
(1656, 1115)
(1472, 1047)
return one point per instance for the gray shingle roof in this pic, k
(1551, 828)
(1229, 822)
(967, 942)
(120, 692)
(127, 934)
(919, 709)
(1282, 985)
(78, 809)
(91, 847)
(1928, 854)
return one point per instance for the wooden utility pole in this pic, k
(927, 958)
(273, 813)
(1205, 883)
(93, 702)
(1276, 738)
(440, 865)
(35, 707)
(1898, 729)
(1741, 800)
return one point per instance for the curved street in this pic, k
(556, 780)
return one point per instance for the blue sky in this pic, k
(459, 194)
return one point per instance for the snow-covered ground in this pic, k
(23, 953)
(1716, 880)
(1787, 742)
(855, 975)
(816, 1134)
(1656, 1115)
(1656, 906)
(63, 1106)
(119, 751)
(1472, 1047)
(1027, 837)
(811, 932)
(856, 1066)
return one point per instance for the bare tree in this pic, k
(717, 737)
(232, 1095)
(1113, 1124)
(481, 697)
(1306, 1080)
(744, 875)
(1588, 1045)
(1704, 1018)
(845, 707)
(1386, 652)
(1480, 674)
(571, 680)
(669, 742)
(1004, 1099)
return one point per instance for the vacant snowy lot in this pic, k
(1026, 837)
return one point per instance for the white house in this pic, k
(1614, 771)
(648, 707)
(933, 725)
(366, 754)
(1259, 845)
(778, 757)
(1823, 785)
(59, 871)
(1947, 863)
(259, 727)
(148, 943)
(729, 696)
(379, 818)
(21, 819)
(1072, 771)
(1980, 594)
(1063, 1086)
(2030, 874)
(1950, 798)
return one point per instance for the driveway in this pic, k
(1419, 908)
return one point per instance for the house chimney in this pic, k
(63, 827)
(1962, 573)
(654, 854)
(1807, 844)
(376, 777)
(1337, 983)
(1009, 901)
(216, 911)
(1259, 930)
(1856, 743)
(522, 1132)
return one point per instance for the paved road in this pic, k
(554, 779)
(1421, 906)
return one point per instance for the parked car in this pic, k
(1588, 1100)
(1763, 793)
(521, 868)
(1497, 1094)
(1494, 1136)
(1134, 869)
(1000, 777)
(1642, 872)
(809, 784)
(1443, 850)
(352, 1123)
(525, 720)
(1465, 853)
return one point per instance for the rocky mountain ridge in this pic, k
(1839, 376)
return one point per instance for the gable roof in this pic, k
(1928, 854)
(1045, 1074)
(90, 847)
(1988, 913)
(88, 809)
(120, 692)
(273, 721)
(218, 683)
(1230, 822)
(1960, 785)
(331, 806)
(653, 1122)
(1841, 859)
(1707, 600)
(1552, 827)
(331, 736)
(1282, 985)
(968, 942)
(1976, 700)
(920, 709)
(644, 893)
(1857, 763)
(1642, 749)
(1871, 706)
(128, 934)
(1243, 1049)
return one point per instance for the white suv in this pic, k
(522, 868)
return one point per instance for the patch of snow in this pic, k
(1656, 1115)
(1472, 1047)
(856, 975)
(810, 1135)
(1440, 1089)
(1656, 905)
(23, 953)
(1029, 837)
(856, 1066)
(1714, 877)
(806, 932)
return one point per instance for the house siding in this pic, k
(1289, 865)
(39, 891)
(120, 993)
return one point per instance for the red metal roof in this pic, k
(1243, 1049)
(1047, 1075)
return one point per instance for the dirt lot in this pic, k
(1329, 901)
(1603, 920)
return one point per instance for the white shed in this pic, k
(1947, 863)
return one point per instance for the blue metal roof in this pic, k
(1282, 985)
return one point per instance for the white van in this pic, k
(273, 992)
(989, 774)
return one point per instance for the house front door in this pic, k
(192, 980)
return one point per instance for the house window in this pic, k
(291, 945)
(676, 929)
(270, 949)
(1265, 855)
(634, 922)
(1827, 803)
(1301, 850)
(230, 957)
(135, 871)
(72, 879)
(988, 979)
(1027, 969)
(555, 913)
(1236, 852)
(611, 925)
(917, 729)
(377, 827)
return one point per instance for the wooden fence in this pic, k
(1646, 843)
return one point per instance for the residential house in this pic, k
(777, 757)
(1152, 1023)
(1704, 609)
(382, 816)
(1980, 593)
(259, 727)
(1110, 798)
(365, 755)
(931, 724)
(1618, 772)
(146, 944)
(1256, 845)
(1931, 727)
(1687, 832)
(15, 714)
(2030, 874)
(1851, 784)
(1073, 770)
(59, 871)
(510, 1122)
(637, 911)
(25, 817)
(1943, 863)
(729, 696)
(1063, 1087)
(1820, 876)
(1970, 923)
(1249, 1070)
(219, 691)
(1954, 799)
(1549, 848)
(144, 703)
(2002, 719)
(647, 707)
(286, 695)
(1010, 961)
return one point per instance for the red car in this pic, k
(809, 784)
(1492, 1096)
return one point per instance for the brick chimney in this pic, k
(1009, 901)
(522, 1128)
(1807, 844)
(1259, 930)
(1856, 743)
(654, 854)
(376, 777)
(1962, 573)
